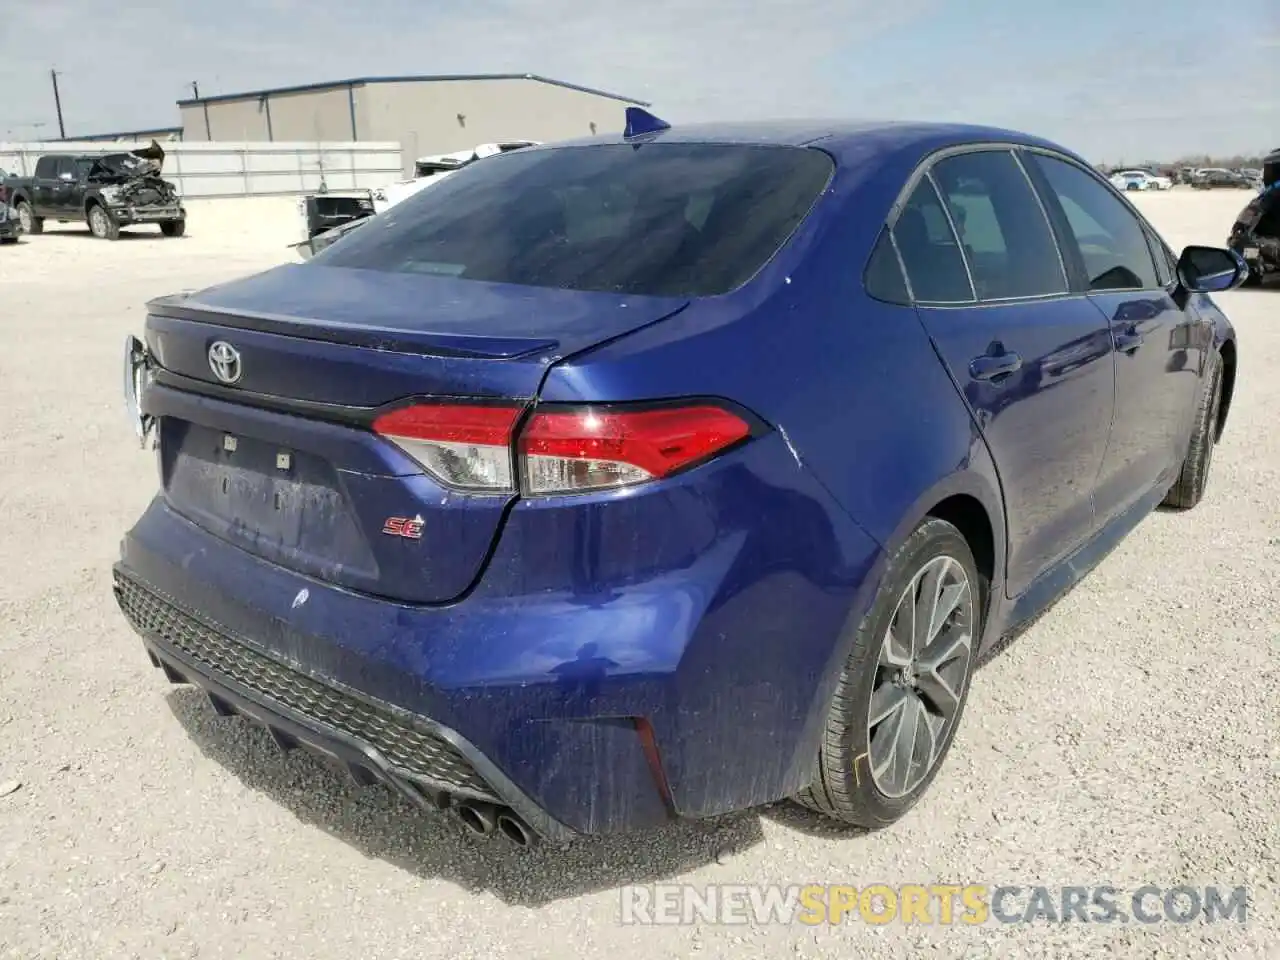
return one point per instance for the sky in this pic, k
(1116, 82)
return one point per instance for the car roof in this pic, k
(878, 155)
(842, 138)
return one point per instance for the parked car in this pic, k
(1256, 232)
(1140, 180)
(325, 211)
(333, 208)
(429, 171)
(9, 228)
(1209, 177)
(670, 473)
(107, 192)
(308, 248)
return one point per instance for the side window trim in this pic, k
(1163, 249)
(919, 176)
(1077, 276)
(1053, 234)
(902, 266)
(1166, 267)
(1073, 270)
(1133, 211)
(955, 234)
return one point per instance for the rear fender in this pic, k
(979, 481)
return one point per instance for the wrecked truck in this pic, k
(1256, 232)
(106, 192)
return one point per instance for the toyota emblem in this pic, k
(224, 361)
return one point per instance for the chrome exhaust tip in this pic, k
(515, 829)
(478, 817)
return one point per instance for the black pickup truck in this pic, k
(106, 192)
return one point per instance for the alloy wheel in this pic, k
(921, 673)
(25, 219)
(98, 222)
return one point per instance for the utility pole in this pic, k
(195, 90)
(57, 102)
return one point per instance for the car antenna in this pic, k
(642, 123)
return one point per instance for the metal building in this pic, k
(425, 115)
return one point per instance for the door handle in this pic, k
(1129, 342)
(994, 367)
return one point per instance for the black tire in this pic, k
(101, 223)
(173, 228)
(1194, 475)
(844, 787)
(28, 220)
(1254, 279)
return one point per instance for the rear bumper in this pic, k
(591, 692)
(376, 742)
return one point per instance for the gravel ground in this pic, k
(1128, 738)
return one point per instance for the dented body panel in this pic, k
(128, 186)
(603, 660)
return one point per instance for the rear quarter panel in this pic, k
(868, 434)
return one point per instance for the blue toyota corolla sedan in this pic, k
(669, 473)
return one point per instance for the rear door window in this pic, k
(1111, 239)
(660, 219)
(930, 252)
(1003, 230)
(46, 168)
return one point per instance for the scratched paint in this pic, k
(795, 454)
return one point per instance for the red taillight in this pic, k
(570, 451)
(560, 449)
(467, 447)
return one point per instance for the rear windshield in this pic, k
(655, 219)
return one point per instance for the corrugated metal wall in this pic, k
(426, 116)
(443, 116)
(242, 169)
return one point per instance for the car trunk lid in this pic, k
(281, 460)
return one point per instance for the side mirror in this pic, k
(68, 177)
(1211, 269)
